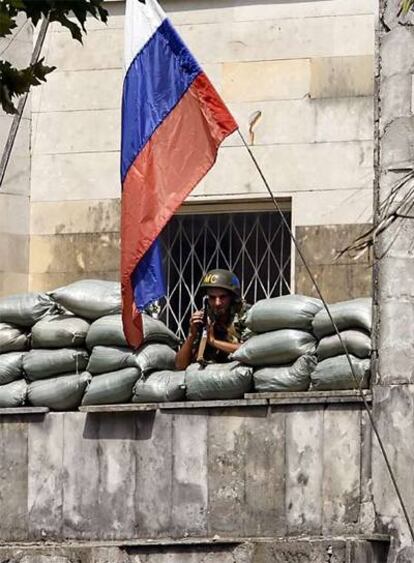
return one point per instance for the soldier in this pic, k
(225, 310)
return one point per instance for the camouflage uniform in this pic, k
(234, 331)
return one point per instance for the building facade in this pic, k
(304, 69)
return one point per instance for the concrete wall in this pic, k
(394, 392)
(308, 67)
(15, 189)
(280, 471)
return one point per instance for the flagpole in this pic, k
(337, 332)
(22, 102)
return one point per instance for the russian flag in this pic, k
(173, 122)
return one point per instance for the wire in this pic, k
(326, 307)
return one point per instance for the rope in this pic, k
(337, 332)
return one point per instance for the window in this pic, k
(254, 244)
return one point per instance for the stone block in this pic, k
(317, 166)
(45, 472)
(77, 253)
(21, 146)
(321, 245)
(17, 176)
(316, 8)
(189, 486)
(398, 144)
(14, 253)
(154, 488)
(48, 281)
(304, 446)
(337, 282)
(226, 470)
(333, 207)
(71, 90)
(396, 277)
(335, 77)
(116, 478)
(304, 121)
(14, 214)
(396, 342)
(314, 37)
(71, 217)
(393, 413)
(327, 166)
(77, 175)
(76, 131)
(396, 98)
(341, 485)
(13, 480)
(265, 473)
(396, 52)
(80, 486)
(265, 80)
(102, 48)
(11, 283)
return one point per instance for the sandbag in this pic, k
(25, 309)
(105, 359)
(287, 311)
(357, 342)
(156, 331)
(12, 338)
(335, 373)
(59, 331)
(217, 381)
(11, 367)
(108, 331)
(347, 315)
(296, 377)
(160, 387)
(90, 299)
(275, 348)
(13, 394)
(59, 393)
(114, 387)
(153, 357)
(41, 363)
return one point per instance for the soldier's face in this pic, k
(219, 300)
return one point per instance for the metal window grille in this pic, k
(255, 246)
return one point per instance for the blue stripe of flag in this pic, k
(156, 80)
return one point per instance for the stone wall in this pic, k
(15, 189)
(303, 550)
(394, 392)
(253, 472)
(307, 66)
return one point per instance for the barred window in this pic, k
(255, 245)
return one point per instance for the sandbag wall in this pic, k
(67, 348)
(296, 346)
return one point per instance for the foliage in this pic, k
(71, 14)
(406, 5)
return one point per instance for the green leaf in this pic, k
(7, 23)
(15, 82)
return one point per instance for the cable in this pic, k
(326, 307)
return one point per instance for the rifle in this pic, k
(204, 334)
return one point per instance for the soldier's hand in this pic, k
(196, 323)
